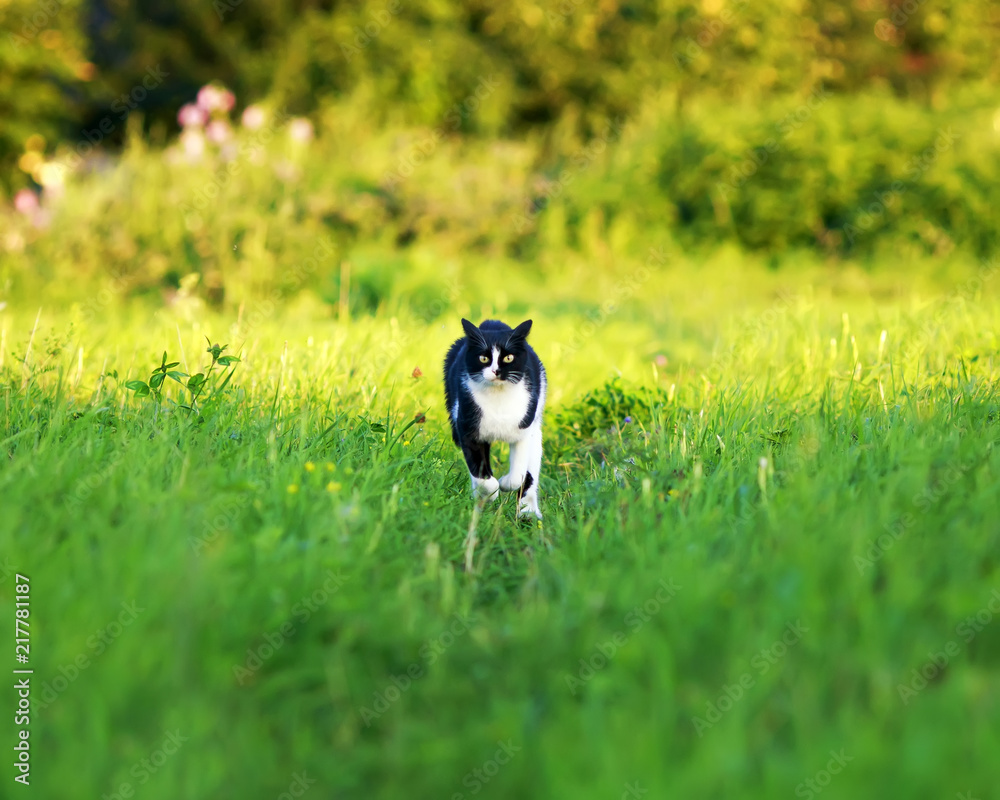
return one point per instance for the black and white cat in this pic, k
(494, 388)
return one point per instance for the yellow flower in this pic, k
(293, 488)
(330, 467)
(310, 466)
(333, 486)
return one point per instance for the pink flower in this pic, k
(215, 98)
(253, 118)
(42, 218)
(54, 192)
(26, 201)
(286, 171)
(208, 98)
(191, 116)
(218, 131)
(300, 130)
(193, 144)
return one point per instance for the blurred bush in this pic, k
(66, 62)
(269, 212)
(862, 175)
(45, 80)
(514, 131)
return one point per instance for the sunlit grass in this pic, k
(300, 547)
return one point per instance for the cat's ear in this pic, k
(521, 331)
(472, 332)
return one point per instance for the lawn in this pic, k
(767, 567)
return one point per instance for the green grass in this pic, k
(299, 549)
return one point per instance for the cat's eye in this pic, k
(484, 359)
(508, 358)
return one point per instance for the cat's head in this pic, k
(494, 353)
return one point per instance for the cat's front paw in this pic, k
(529, 505)
(511, 482)
(485, 488)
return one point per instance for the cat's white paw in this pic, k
(529, 505)
(485, 489)
(509, 483)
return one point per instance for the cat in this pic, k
(494, 388)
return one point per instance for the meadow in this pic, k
(768, 560)
(767, 565)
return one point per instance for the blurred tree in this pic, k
(569, 63)
(45, 79)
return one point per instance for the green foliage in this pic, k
(195, 385)
(783, 547)
(855, 176)
(45, 85)
(473, 67)
(864, 178)
(609, 406)
(769, 488)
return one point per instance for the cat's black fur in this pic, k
(485, 401)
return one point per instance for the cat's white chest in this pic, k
(502, 407)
